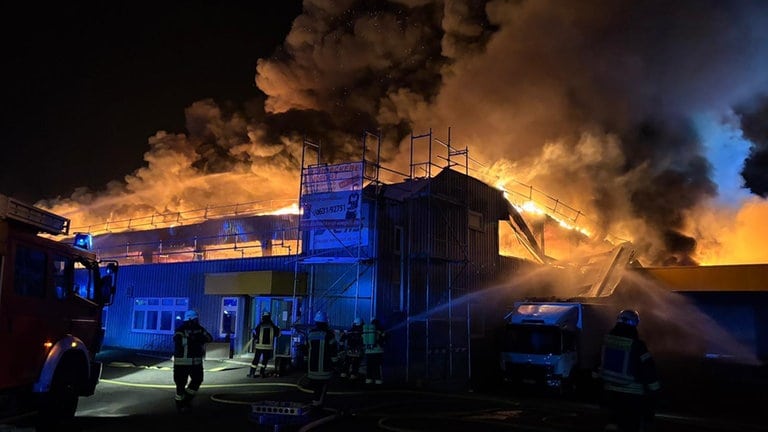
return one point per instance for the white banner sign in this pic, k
(337, 238)
(331, 210)
(333, 178)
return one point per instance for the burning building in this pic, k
(602, 103)
(422, 255)
(411, 253)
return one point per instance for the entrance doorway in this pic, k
(281, 308)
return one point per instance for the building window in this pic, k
(397, 240)
(158, 315)
(475, 221)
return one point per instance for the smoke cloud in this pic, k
(591, 101)
(754, 125)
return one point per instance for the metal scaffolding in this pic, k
(323, 183)
(432, 272)
(439, 313)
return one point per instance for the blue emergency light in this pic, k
(84, 241)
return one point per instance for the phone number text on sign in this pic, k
(325, 211)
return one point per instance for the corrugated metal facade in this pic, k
(438, 247)
(343, 293)
(741, 316)
(726, 305)
(177, 280)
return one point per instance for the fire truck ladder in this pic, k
(44, 221)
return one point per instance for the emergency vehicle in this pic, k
(554, 344)
(52, 295)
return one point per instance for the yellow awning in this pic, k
(267, 283)
(742, 277)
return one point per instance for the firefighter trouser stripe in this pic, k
(630, 388)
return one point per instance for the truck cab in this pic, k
(52, 294)
(541, 343)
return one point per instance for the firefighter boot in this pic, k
(251, 371)
(263, 372)
(188, 397)
(181, 403)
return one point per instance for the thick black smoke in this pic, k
(669, 189)
(754, 125)
(591, 101)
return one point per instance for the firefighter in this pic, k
(628, 373)
(322, 357)
(282, 353)
(189, 349)
(263, 340)
(353, 342)
(374, 339)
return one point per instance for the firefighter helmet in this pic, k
(190, 315)
(629, 317)
(357, 321)
(320, 317)
(266, 314)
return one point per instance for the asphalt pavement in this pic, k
(136, 392)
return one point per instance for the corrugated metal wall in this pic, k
(443, 261)
(185, 279)
(341, 293)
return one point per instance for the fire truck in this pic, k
(52, 294)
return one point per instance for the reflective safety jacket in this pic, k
(264, 335)
(283, 345)
(353, 340)
(323, 351)
(627, 366)
(189, 343)
(373, 339)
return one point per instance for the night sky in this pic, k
(647, 118)
(82, 80)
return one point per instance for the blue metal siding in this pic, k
(337, 292)
(186, 279)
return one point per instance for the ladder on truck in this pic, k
(28, 214)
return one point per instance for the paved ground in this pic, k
(136, 393)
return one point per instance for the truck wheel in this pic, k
(58, 406)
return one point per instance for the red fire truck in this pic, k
(51, 299)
